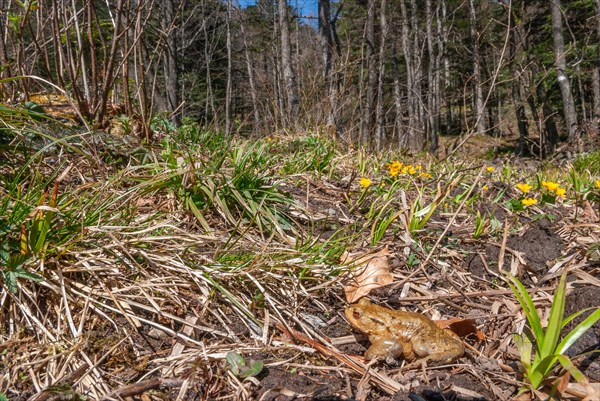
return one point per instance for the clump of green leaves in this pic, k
(241, 368)
(479, 225)
(24, 232)
(549, 348)
(588, 162)
(312, 153)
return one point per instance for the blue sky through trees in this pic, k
(307, 8)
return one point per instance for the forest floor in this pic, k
(205, 268)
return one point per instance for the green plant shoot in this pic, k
(549, 349)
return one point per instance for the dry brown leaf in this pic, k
(562, 382)
(370, 271)
(462, 327)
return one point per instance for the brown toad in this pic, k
(397, 334)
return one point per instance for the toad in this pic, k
(410, 335)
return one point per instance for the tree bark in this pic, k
(517, 100)
(228, 87)
(326, 36)
(170, 59)
(209, 104)
(596, 77)
(369, 39)
(5, 68)
(561, 72)
(479, 106)
(432, 92)
(289, 76)
(380, 115)
(397, 100)
(412, 61)
(250, 71)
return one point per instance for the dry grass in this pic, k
(143, 301)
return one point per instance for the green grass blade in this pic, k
(578, 331)
(541, 370)
(569, 367)
(525, 346)
(196, 212)
(528, 307)
(567, 319)
(550, 341)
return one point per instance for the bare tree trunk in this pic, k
(417, 89)
(517, 99)
(432, 92)
(521, 118)
(413, 91)
(168, 24)
(326, 37)
(380, 115)
(561, 72)
(551, 132)
(369, 39)
(397, 100)
(596, 77)
(289, 77)
(209, 104)
(479, 107)
(250, 72)
(228, 88)
(6, 70)
(596, 96)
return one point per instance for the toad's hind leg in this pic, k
(441, 348)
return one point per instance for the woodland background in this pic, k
(374, 72)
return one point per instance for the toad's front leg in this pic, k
(383, 348)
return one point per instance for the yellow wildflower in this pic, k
(408, 169)
(529, 201)
(490, 169)
(523, 187)
(365, 182)
(485, 188)
(394, 168)
(598, 184)
(560, 191)
(425, 175)
(549, 185)
(418, 167)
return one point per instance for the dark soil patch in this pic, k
(446, 386)
(539, 243)
(580, 299)
(279, 385)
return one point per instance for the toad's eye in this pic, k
(355, 314)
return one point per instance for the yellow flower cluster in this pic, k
(396, 167)
(549, 185)
(598, 184)
(554, 187)
(524, 187)
(490, 169)
(365, 182)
